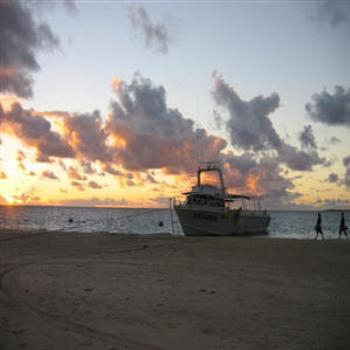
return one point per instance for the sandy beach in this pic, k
(103, 291)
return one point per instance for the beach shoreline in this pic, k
(117, 291)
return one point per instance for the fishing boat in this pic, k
(210, 210)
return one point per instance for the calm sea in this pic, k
(284, 224)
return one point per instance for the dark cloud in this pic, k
(333, 178)
(73, 173)
(94, 185)
(62, 164)
(238, 168)
(307, 138)
(26, 197)
(151, 179)
(85, 132)
(78, 185)
(332, 12)
(20, 158)
(333, 140)
(147, 134)
(70, 5)
(156, 35)
(245, 174)
(35, 131)
(108, 168)
(252, 130)
(87, 167)
(20, 38)
(346, 162)
(218, 120)
(331, 109)
(249, 125)
(300, 160)
(49, 175)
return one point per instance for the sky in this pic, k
(111, 103)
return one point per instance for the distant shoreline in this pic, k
(160, 208)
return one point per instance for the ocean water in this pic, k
(284, 224)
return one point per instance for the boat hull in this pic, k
(220, 222)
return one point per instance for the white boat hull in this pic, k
(219, 222)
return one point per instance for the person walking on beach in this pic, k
(318, 227)
(342, 228)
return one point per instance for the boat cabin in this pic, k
(205, 200)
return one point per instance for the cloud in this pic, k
(142, 133)
(336, 203)
(300, 160)
(94, 185)
(346, 162)
(35, 131)
(20, 157)
(96, 202)
(147, 134)
(49, 175)
(86, 134)
(27, 197)
(78, 185)
(87, 167)
(330, 109)
(70, 5)
(252, 130)
(21, 37)
(333, 178)
(151, 179)
(249, 125)
(307, 138)
(333, 140)
(73, 173)
(332, 12)
(156, 35)
(247, 175)
(108, 168)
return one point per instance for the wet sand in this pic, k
(99, 291)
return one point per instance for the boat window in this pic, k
(216, 202)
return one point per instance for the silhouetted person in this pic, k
(342, 228)
(318, 227)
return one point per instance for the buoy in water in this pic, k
(160, 223)
(70, 220)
